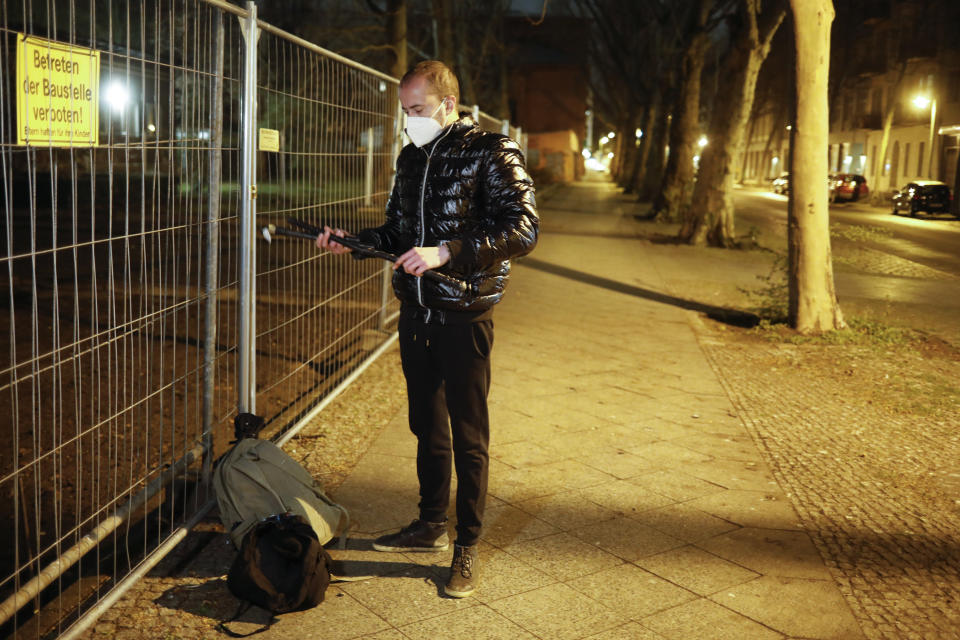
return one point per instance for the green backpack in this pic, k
(256, 480)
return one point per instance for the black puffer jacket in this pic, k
(468, 189)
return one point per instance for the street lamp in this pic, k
(922, 102)
(117, 96)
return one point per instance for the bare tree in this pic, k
(612, 102)
(648, 171)
(678, 178)
(813, 301)
(396, 16)
(889, 111)
(397, 34)
(773, 109)
(710, 218)
(480, 51)
(443, 31)
(627, 55)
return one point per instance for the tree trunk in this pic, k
(652, 177)
(775, 135)
(622, 156)
(503, 103)
(888, 113)
(710, 218)
(623, 159)
(955, 203)
(397, 32)
(679, 176)
(651, 124)
(742, 165)
(443, 16)
(813, 300)
(464, 71)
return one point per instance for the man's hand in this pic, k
(326, 240)
(419, 259)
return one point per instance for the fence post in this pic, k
(212, 248)
(246, 349)
(505, 127)
(386, 289)
(368, 182)
(476, 113)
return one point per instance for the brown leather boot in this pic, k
(464, 572)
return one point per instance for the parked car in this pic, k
(848, 187)
(781, 184)
(922, 195)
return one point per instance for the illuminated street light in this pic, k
(611, 135)
(117, 96)
(639, 133)
(921, 102)
(702, 142)
(603, 141)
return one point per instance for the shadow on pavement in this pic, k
(721, 314)
(213, 599)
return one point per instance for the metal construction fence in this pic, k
(143, 144)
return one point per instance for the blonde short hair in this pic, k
(438, 75)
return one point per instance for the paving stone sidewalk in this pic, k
(627, 499)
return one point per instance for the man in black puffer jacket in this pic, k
(462, 200)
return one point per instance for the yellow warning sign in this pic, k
(57, 93)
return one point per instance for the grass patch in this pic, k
(861, 332)
(927, 395)
(770, 300)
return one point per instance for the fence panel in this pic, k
(318, 315)
(122, 259)
(105, 253)
(491, 123)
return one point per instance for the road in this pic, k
(933, 241)
(912, 275)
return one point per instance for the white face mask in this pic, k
(422, 130)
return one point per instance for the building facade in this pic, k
(902, 66)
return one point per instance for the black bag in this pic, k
(281, 567)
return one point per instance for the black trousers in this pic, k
(447, 369)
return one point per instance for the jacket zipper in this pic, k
(423, 218)
(423, 224)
